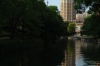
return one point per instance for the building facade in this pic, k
(67, 10)
(80, 20)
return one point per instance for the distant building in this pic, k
(67, 10)
(81, 17)
(80, 20)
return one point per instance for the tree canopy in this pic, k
(91, 23)
(54, 8)
(71, 27)
(91, 26)
(81, 5)
(30, 19)
(54, 24)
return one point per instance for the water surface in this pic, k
(74, 52)
(85, 51)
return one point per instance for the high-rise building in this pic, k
(67, 10)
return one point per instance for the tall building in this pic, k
(67, 10)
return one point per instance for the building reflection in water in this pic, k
(69, 59)
(64, 63)
(81, 53)
(79, 61)
(78, 53)
(87, 52)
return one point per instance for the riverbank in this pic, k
(7, 45)
(16, 45)
(34, 56)
(86, 38)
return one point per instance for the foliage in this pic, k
(91, 25)
(30, 19)
(71, 47)
(71, 27)
(30, 24)
(54, 26)
(94, 5)
(54, 8)
(19, 14)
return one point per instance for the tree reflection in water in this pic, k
(69, 54)
(76, 53)
(52, 56)
(83, 52)
(91, 50)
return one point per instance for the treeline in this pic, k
(91, 23)
(91, 26)
(22, 19)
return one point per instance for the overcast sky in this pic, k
(54, 2)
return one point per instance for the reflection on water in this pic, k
(79, 56)
(76, 53)
(53, 55)
(69, 54)
(87, 52)
(91, 51)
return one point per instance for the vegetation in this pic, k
(27, 21)
(30, 19)
(91, 23)
(71, 47)
(91, 26)
(81, 5)
(71, 28)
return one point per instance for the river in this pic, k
(82, 52)
(74, 52)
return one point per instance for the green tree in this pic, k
(91, 23)
(91, 26)
(54, 8)
(22, 16)
(71, 27)
(28, 18)
(11, 12)
(54, 26)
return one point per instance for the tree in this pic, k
(94, 6)
(91, 23)
(30, 19)
(91, 26)
(71, 27)
(11, 12)
(53, 8)
(21, 17)
(54, 26)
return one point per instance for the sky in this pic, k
(53, 2)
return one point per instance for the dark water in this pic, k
(72, 53)
(53, 55)
(87, 52)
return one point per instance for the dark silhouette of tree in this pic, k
(91, 26)
(94, 6)
(30, 19)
